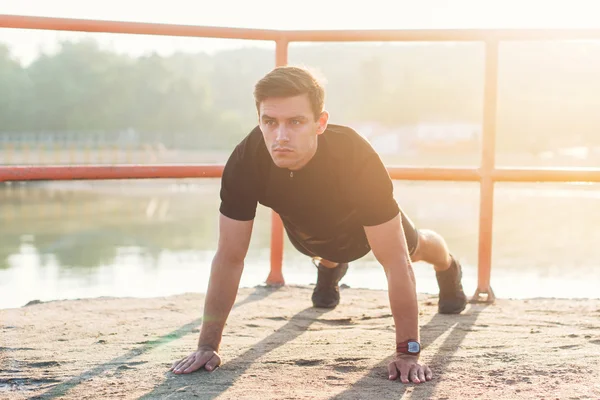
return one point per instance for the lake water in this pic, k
(68, 240)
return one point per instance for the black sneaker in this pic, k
(452, 298)
(327, 291)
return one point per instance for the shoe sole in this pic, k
(325, 306)
(450, 312)
(441, 310)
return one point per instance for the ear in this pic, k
(323, 119)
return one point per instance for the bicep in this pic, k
(239, 186)
(234, 238)
(373, 193)
(388, 242)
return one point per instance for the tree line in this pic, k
(547, 92)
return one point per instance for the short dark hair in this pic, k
(290, 81)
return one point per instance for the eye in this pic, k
(270, 122)
(296, 122)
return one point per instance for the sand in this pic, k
(276, 346)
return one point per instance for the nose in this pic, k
(282, 134)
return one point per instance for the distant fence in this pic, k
(71, 138)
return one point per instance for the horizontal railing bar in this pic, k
(546, 174)
(180, 171)
(425, 35)
(138, 28)
(440, 35)
(434, 174)
(107, 172)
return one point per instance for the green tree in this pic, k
(15, 90)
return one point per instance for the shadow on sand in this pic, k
(213, 385)
(61, 389)
(436, 327)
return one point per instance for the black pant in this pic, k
(410, 232)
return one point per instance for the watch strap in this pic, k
(403, 347)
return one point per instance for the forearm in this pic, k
(403, 301)
(220, 297)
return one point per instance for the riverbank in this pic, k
(276, 346)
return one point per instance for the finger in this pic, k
(190, 360)
(197, 363)
(413, 374)
(213, 363)
(392, 371)
(422, 373)
(175, 364)
(404, 370)
(428, 374)
(179, 363)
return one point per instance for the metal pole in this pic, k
(275, 277)
(488, 152)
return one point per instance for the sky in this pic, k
(282, 14)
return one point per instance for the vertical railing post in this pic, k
(488, 156)
(275, 277)
(281, 52)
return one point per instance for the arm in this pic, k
(389, 247)
(226, 271)
(388, 243)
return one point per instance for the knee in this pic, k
(431, 248)
(428, 242)
(417, 254)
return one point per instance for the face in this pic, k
(290, 130)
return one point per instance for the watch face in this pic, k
(413, 347)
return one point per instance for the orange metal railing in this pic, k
(487, 174)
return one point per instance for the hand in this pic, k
(407, 368)
(203, 357)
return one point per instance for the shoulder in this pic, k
(247, 158)
(347, 143)
(342, 132)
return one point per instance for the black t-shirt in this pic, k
(324, 205)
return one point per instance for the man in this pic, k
(335, 199)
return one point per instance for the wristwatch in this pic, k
(410, 346)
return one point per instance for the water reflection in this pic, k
(84, 228)
(149, 238)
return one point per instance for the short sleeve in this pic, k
(238, 186)
(374, 192)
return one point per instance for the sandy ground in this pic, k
(277, 347)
